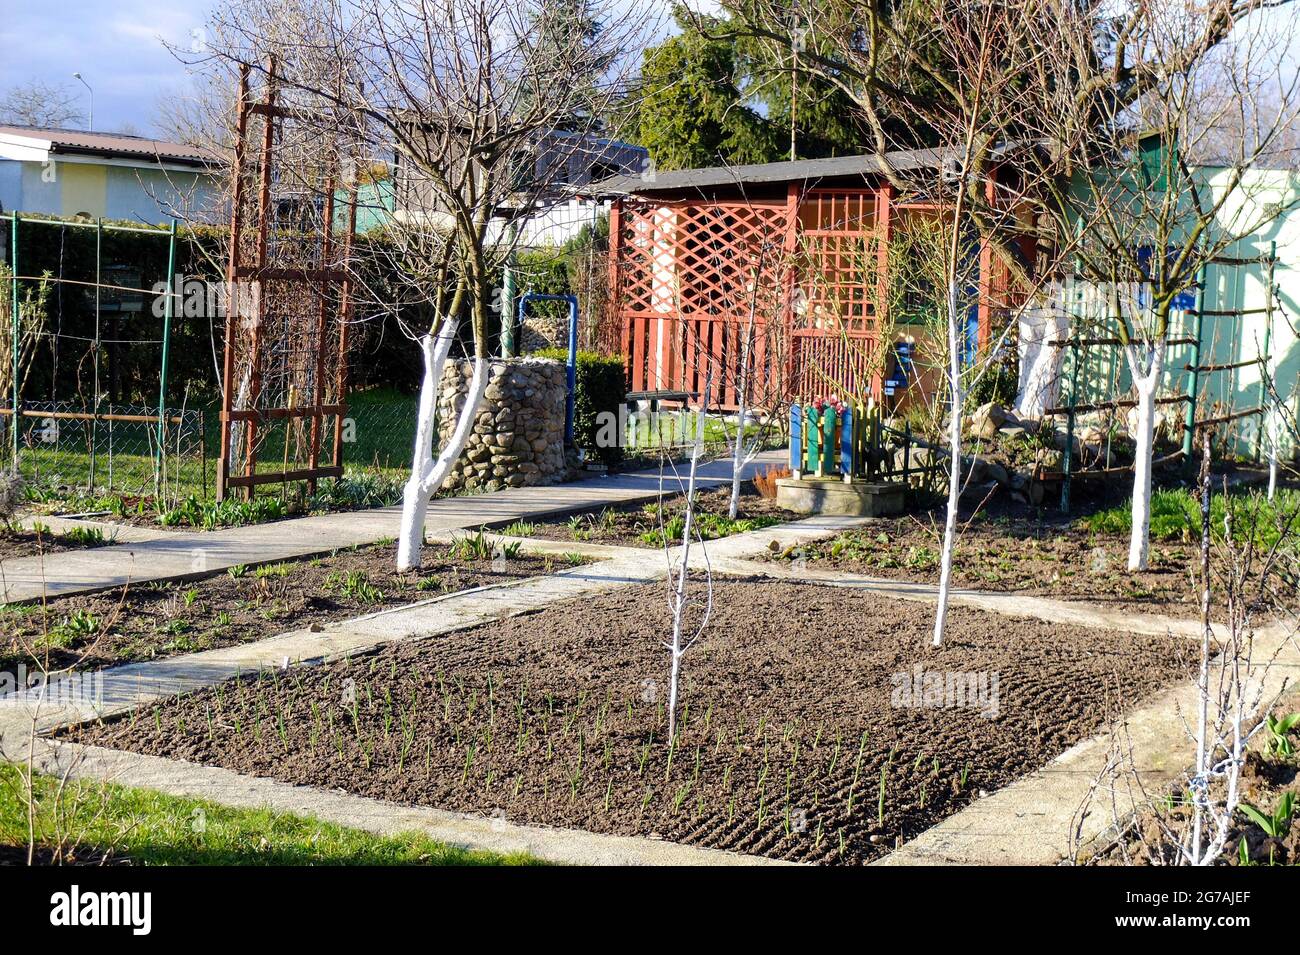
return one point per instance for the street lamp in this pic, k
(90, 119)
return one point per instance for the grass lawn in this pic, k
(1176, 513)
(151, 828)
(378, 433)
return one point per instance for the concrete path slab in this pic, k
(1010, 605)
(112, 530)
(537, 545)
(191, 555)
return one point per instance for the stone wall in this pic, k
(518, 438)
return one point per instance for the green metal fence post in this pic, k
(13, 315)
(1194, 365)
(1067, 454)
(94, 398)
(166, 356)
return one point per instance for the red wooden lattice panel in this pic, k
(683, 275)
(686, 276)
(837, 262)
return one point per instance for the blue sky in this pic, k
(117, 47)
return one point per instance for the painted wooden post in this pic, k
(846, 445)
(828, 442)
(814, 457)
(796, 441)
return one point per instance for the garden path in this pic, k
(181, 556)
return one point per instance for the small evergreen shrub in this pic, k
(601, 387)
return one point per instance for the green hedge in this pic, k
(602, 386)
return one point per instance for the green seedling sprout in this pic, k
(857, 771)
(884, 779)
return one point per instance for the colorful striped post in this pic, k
(824, 443)
(796, 441)
(846, 445)
(814, 455)
(829, 442)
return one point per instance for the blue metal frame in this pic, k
(573, 349)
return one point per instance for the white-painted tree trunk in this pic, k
(679, 645)
(957, 400)
(1274, 435)
(1146, 381)
(428, 474)
(738, 456)
(1207, 642)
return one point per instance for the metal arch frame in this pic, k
(572, 364)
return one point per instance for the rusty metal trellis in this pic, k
(288, 283)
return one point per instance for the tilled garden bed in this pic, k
(1017, 557)
(800, 738)
(156, 619)
(645, 525)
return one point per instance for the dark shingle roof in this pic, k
(772, 172)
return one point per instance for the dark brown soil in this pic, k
(25, 543)
(148, 621)
(791, 718)
(17, 855)
(641, 525)
(1017, 557)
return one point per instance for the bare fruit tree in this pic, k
(685, 631)
(43, 105)
(484, 107)
(1189, 104)
(979, 188)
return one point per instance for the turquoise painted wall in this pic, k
(1224, 339)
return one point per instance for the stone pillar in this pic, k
(518, 438)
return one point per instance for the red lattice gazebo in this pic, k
(791, 257)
